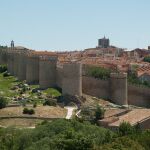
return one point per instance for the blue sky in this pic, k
(74, 24)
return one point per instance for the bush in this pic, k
(125, 128)
(3, 102)
(35, 105)
(99, 72)
(133, 79)
(147, 59)
(122, 143)
(31, 111)
(28, 111)
(99, 113)
(87, 113)
(50, 102)
(3, 68)
(25, 111)
(6, 74)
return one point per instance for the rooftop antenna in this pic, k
(12, 44)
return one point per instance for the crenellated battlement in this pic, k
(49, 58)
(118, 75)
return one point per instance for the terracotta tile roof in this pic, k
(132, 117)
(143, 70)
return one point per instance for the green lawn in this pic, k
(6, 83)
(52, 91)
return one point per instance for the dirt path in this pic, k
(69, 111)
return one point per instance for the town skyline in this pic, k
(76, 25)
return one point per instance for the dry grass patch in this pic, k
(19, 122)
(40, 111)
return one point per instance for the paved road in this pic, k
(69, 111)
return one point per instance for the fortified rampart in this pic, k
(114, 89)
(96, 87)
(59, 76)
(3, 56)
(136, 95)
(22, 61)
(16, 63)
(139, 96)
(72, 79)
(10, 63)
(47, 72)
(32, 69)
(118, 88)
(42, 68)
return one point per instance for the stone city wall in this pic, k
(118, 88)
(136, 95)
(42, 68)
(22, 61)
(47, 72)
(95, 87)
(59, 76)
(32, 69)
(139, 96)
(72, 79)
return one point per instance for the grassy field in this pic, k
(7, 83)
(52, 91)
(7, 90)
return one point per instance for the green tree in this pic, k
(122, 143)
(99, 72)
(125, 128)
(147, 59)
(99, 112)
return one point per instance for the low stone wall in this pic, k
(145, 124)
(27, 117)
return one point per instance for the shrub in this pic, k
(35, 105)
(25, 111)
(99, 72)
(87, 113)
(99, 113)
(147, 59)
(92, 113)
(28, 111)
(133, 79)
(50, 102)
(31, 111)
(125, 128)
(3, 68)
(6, 74)
(3, 102)
(122, 143)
